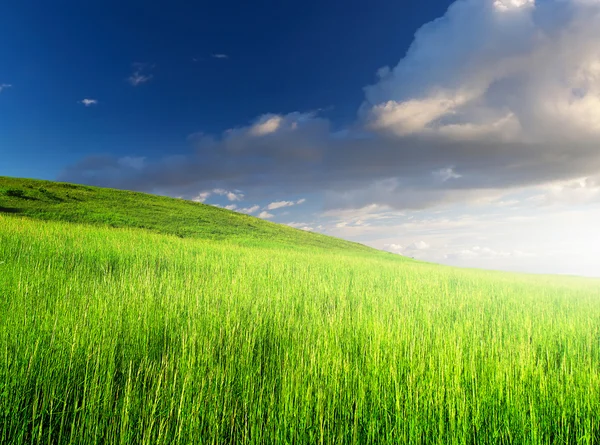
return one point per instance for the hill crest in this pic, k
(58, 201)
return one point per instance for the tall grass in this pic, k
(116, 336)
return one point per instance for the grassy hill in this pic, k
(118, 208)
(158, 321)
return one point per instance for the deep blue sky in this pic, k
(283, 57)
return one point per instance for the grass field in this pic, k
(124, 327)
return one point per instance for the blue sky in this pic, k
(458, 132)
(58, 53)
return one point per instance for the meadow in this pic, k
(112, 333)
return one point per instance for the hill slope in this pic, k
(54, 201)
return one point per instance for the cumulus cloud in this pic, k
(231, 196)
(415, 248)
(307, 227)
(280, 204)
(265, 215)
(512, 70)
(507, 5)
(266, 125)
(354, 223)
(584, 190)
(201, 197)
(235, 195)
(88, 102)
(418, 245)
(4, 86)
(494, 95)
(250, 210)
(394, 248)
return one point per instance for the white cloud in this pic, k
(415, 248)
(584, 190)
(486, 253)
(231, 195)
(446, 174)
(250, 210)
(203, 196)
(523, 237)
(266, 125)
(88, 102)
(507, 203)
(235, 196)
(220, 56)
(231, 207)
(418, 245)
(507, 5)
(265, 215)
(354, 222)
(534, 73)
(280, 204)
(4, 86)
(137, 78)
(395, 248)
(369, 212)
(140, 74)
(414, 115)
(308, 227)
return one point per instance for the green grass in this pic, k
(128, 336)
(54, 201)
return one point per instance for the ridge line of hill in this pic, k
(60, 201)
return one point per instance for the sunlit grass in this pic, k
(124, 336)
(55, 201)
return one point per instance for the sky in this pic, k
(459, 132)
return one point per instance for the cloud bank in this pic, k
(494, 95)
